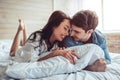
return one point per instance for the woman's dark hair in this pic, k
(85, 19)
(54, 21)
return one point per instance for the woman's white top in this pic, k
(33, 49)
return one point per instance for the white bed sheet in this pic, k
(56, 65)
(5, 46)
(112, 72)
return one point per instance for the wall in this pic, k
(113, 42)
(34, 13)
(68, 6)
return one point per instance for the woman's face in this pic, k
(61, 31)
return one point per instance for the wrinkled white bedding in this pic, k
(112, 72)
(89, 53)
(5, 48)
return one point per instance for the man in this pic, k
(84, 31)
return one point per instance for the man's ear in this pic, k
(90, 31)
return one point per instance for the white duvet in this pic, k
(112, 72)
(88, 53)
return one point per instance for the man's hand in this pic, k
(98, 66)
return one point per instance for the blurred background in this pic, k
(35, 14)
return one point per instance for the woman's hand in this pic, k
(71, 56)
(68, 54)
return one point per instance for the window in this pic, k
(111, 15)
(94, 5)
(107, 11)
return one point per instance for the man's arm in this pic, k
(107, 56)
(98, 66)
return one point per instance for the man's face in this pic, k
(78, 34)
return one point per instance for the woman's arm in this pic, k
(68, 54)
(53, 54)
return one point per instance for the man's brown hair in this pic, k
(85, 19)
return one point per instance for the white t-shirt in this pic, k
(33, 49)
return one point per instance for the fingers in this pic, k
(100, 65)
(73, 52)
(68, 54)
(72, 57)
(103, 61)
(60, 48)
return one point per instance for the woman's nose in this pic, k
(72, 33)
(67, 33)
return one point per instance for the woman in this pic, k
(44, 40)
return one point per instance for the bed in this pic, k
(112, 71)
